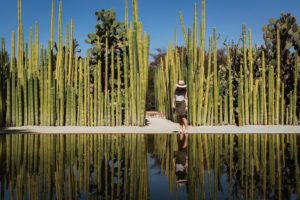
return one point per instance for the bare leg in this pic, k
(181, 123)
(185, 122)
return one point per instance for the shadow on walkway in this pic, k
(5, 130)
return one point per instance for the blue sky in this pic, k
(159, 17)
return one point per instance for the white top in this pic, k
(180, 94)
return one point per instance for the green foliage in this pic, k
(107, 24)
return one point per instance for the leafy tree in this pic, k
(107, 27)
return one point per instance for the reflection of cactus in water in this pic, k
(245, 160)
(118, 167)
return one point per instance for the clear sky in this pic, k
(159, 17)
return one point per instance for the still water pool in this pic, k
(244, 166)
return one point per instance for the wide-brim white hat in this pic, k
(181, 84)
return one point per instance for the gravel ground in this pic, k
(154, 126)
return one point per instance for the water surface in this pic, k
(241, 166)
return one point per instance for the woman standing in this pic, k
(180, 104)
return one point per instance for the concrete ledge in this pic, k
(154, 126)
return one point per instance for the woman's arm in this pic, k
(173, 100)
(186, 100)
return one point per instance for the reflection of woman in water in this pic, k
(180, 103)
(181, 165)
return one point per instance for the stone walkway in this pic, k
(154, 126)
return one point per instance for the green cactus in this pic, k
(277, 79)
(112, 82)
(226, 115)
(52, 26)
(216, 88)
(13, 84)
(99, 93)
(126, 88)
(231, 112)
(255, 95)
(282, 111)
(2, 80)
(95, 96)
(241, 99)
(246, 83)
(251, 84)
(208, 84)
(36, 99)
(119, 104)
(106, 80)
(201, 62)
(294, 114)
(49, 85)
(264, 95)
(81, 95)
(86, 96)
(271, 95)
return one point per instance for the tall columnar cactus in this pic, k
(216, 88)
(201, 63)
(52, 98)
(36, 99)
(277, 79)
(49, 111)
(12, 72)
(183, 29)
(252, 105)
(264, 92)
(95, 96)
(271, 95)
(251, 84)
(81, 120)
(282, 110)
(112, 88)
(100, 95)
(231, 112)
(42, 88)
(246, 84)
(52, 26)
(106, 79)
(71, 54)
(119, 104)
(126, 90)
(208, 84)
(295, 93)
(254, 101)
(2, 90)
(241, 119)
(132, 82)
(86, 96)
